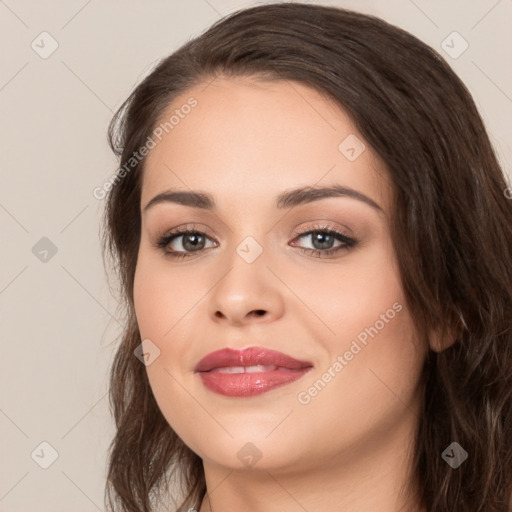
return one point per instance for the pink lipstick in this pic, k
(249, 372)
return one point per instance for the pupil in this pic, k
(193, 245)
(324, 240)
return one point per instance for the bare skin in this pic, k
(347, 445)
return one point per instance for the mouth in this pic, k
(249, 372)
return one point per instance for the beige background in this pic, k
(58, 329)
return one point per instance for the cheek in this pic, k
(353, 294)
(150, 302)
(163, 298)
(161, 304)
(370, 377)
(365, 320)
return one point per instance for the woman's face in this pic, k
(253, 277)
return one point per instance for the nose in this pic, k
(247, 292)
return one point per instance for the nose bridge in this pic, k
(249, 238)
(247, 286)
(246, 262)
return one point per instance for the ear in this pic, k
(438, 343)
(440, 340)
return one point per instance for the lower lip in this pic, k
(249, 384)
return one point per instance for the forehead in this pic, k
(247, 140)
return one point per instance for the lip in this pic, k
(212, 367)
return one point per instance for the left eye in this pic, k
(324, 239)
(194, 241)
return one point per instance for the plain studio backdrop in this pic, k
(66, 68)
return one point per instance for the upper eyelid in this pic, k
(318, 223)
(191, 227)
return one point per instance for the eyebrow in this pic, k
(287, 199)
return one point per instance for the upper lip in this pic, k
(252, 356)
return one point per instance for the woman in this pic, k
(313, 236)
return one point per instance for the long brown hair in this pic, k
(451, 230)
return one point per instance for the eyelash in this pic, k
(348, 243)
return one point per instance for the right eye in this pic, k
(192, 241)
